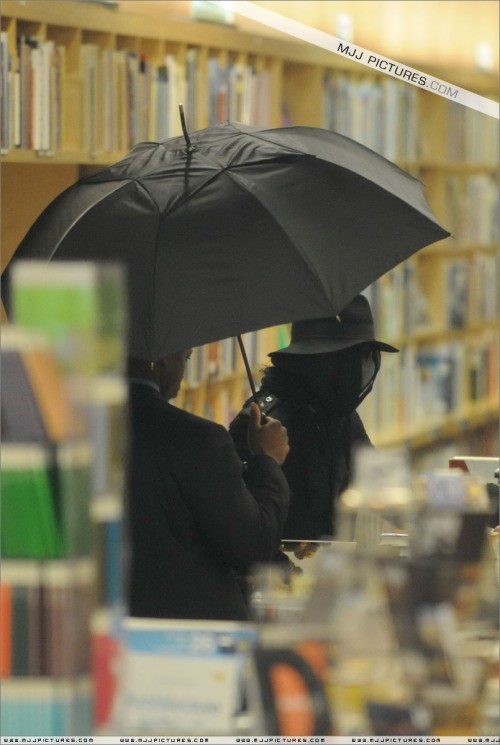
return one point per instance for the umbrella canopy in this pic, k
(242, 228)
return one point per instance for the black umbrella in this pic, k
(238, 228)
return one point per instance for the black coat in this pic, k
(194, 524)
(318, 466)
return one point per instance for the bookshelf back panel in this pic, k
(27, 189)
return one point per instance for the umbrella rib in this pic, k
(222, 170)
(80, 216)
(227, 170)
(309, 265)
(152, 324)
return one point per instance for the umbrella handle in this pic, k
(247, 368)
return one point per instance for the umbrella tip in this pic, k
(190, 147)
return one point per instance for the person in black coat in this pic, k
(314, 387)
(196, 525)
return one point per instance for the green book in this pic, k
(29, 523)
(80, 306)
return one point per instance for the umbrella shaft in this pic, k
(247, 368)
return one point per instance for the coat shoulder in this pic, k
(151, 412)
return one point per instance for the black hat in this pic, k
(353, 325)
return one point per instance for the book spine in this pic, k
(6, 103)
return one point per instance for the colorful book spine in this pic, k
(107, 657)
(6, 136)
(30, 526)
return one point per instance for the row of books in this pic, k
(473, 209)
(55, 707)
(48, 661)
(398, 303)
(381, 113)
(46, 607)
(127, 100)
(482, 369)
(220, 360)
(471, 290)
(214, 361)
(239, 92)
(124, 97)
(32, 88)
(422, 385)
(52, 640)
(468, 290)
(472, 137)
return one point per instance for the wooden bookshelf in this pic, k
(454, 151)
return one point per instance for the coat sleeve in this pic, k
(238, 429)
(240, 522)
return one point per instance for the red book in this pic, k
(106, 651)
(5, 631)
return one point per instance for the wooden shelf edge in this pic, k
(61, 157)
(457, 166)
(448, 248)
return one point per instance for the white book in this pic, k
(36, 123)
(16, 109)
(107, 98)
(390, 104)
(5, 94)
(176, 90)
(46, 101)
